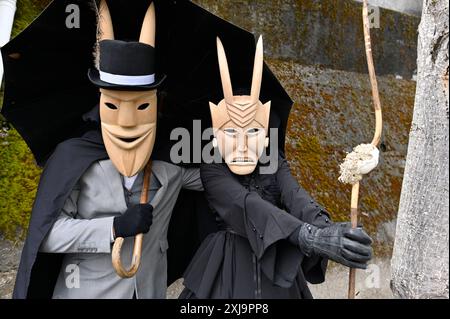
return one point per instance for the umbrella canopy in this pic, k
(47, 90)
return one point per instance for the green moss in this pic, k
(19, 178)
(26, 12)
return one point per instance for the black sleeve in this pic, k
(245, 211)
(297, 201)
(301, 205)
(265, 225)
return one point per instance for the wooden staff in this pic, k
(137, 250)
(377, 135)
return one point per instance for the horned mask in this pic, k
(241, 122)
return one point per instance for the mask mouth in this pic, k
(242, 161)
(128, 139)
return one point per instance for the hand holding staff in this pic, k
(137, 250)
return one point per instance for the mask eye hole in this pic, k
(253, 131)
(230, 131)
(143, 106)
(111, 106)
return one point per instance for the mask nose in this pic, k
(127, 115)
(242, 143)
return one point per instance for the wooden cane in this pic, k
(354, 220)
(137, 250)
(377, 135)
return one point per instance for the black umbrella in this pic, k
(190, 60)
(46, 86)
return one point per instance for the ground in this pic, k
(9, 261)
(369, 284)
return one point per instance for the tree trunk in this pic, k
(421, 252)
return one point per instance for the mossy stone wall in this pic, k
(325, 32)
(333, 113)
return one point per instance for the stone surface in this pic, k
(325, 32)
(413, 7)
(372, 283)
(386, 232)
(9, 261)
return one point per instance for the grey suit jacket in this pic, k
(83, 233)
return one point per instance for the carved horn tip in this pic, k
(224, 72)
(258, 70)
(148, 26)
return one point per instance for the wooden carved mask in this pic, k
(241, 122)
(128, 117)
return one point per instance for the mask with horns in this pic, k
(128, 85)
(241, 122)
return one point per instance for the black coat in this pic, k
(37, 273)
(252, 256)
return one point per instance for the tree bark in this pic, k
(420, 260)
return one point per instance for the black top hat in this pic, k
(126, 66)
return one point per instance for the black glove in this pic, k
(136, 220)
(338, 242)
